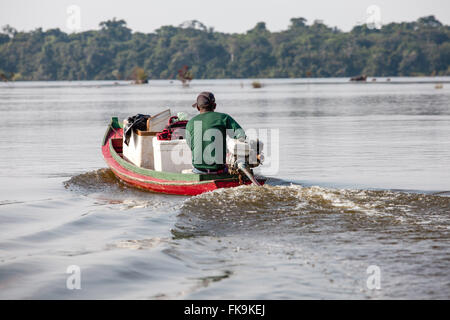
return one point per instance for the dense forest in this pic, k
(303, 50)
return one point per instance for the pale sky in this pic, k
(224, 15)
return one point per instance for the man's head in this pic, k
(205, 102)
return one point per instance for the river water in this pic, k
(363, 184)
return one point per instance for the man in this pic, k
(206, 135)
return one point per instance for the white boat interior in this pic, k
(146, 151)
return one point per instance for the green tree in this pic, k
(419, 47)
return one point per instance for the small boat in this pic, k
(359, 78)
(189, 184)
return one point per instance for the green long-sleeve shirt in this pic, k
(206, 135)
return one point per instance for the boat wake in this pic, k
(103, 185)
(97, 180)
(281, 208)
(313, 209)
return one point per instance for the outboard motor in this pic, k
(242, 156)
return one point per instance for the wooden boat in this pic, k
(158, 181)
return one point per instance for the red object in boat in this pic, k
(158, 181)
(172, 128)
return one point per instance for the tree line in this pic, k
(419, 48)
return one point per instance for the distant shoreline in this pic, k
(247, 81)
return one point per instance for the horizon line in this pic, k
(212, 28)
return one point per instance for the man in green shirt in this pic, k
(206, 135)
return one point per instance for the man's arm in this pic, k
(189, 135)
(238, 132)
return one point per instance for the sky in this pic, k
(225, 15)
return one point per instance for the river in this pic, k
(362, 184)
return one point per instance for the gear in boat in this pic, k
(152, 153)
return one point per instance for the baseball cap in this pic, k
(205, 99)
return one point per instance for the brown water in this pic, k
(364, 180)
